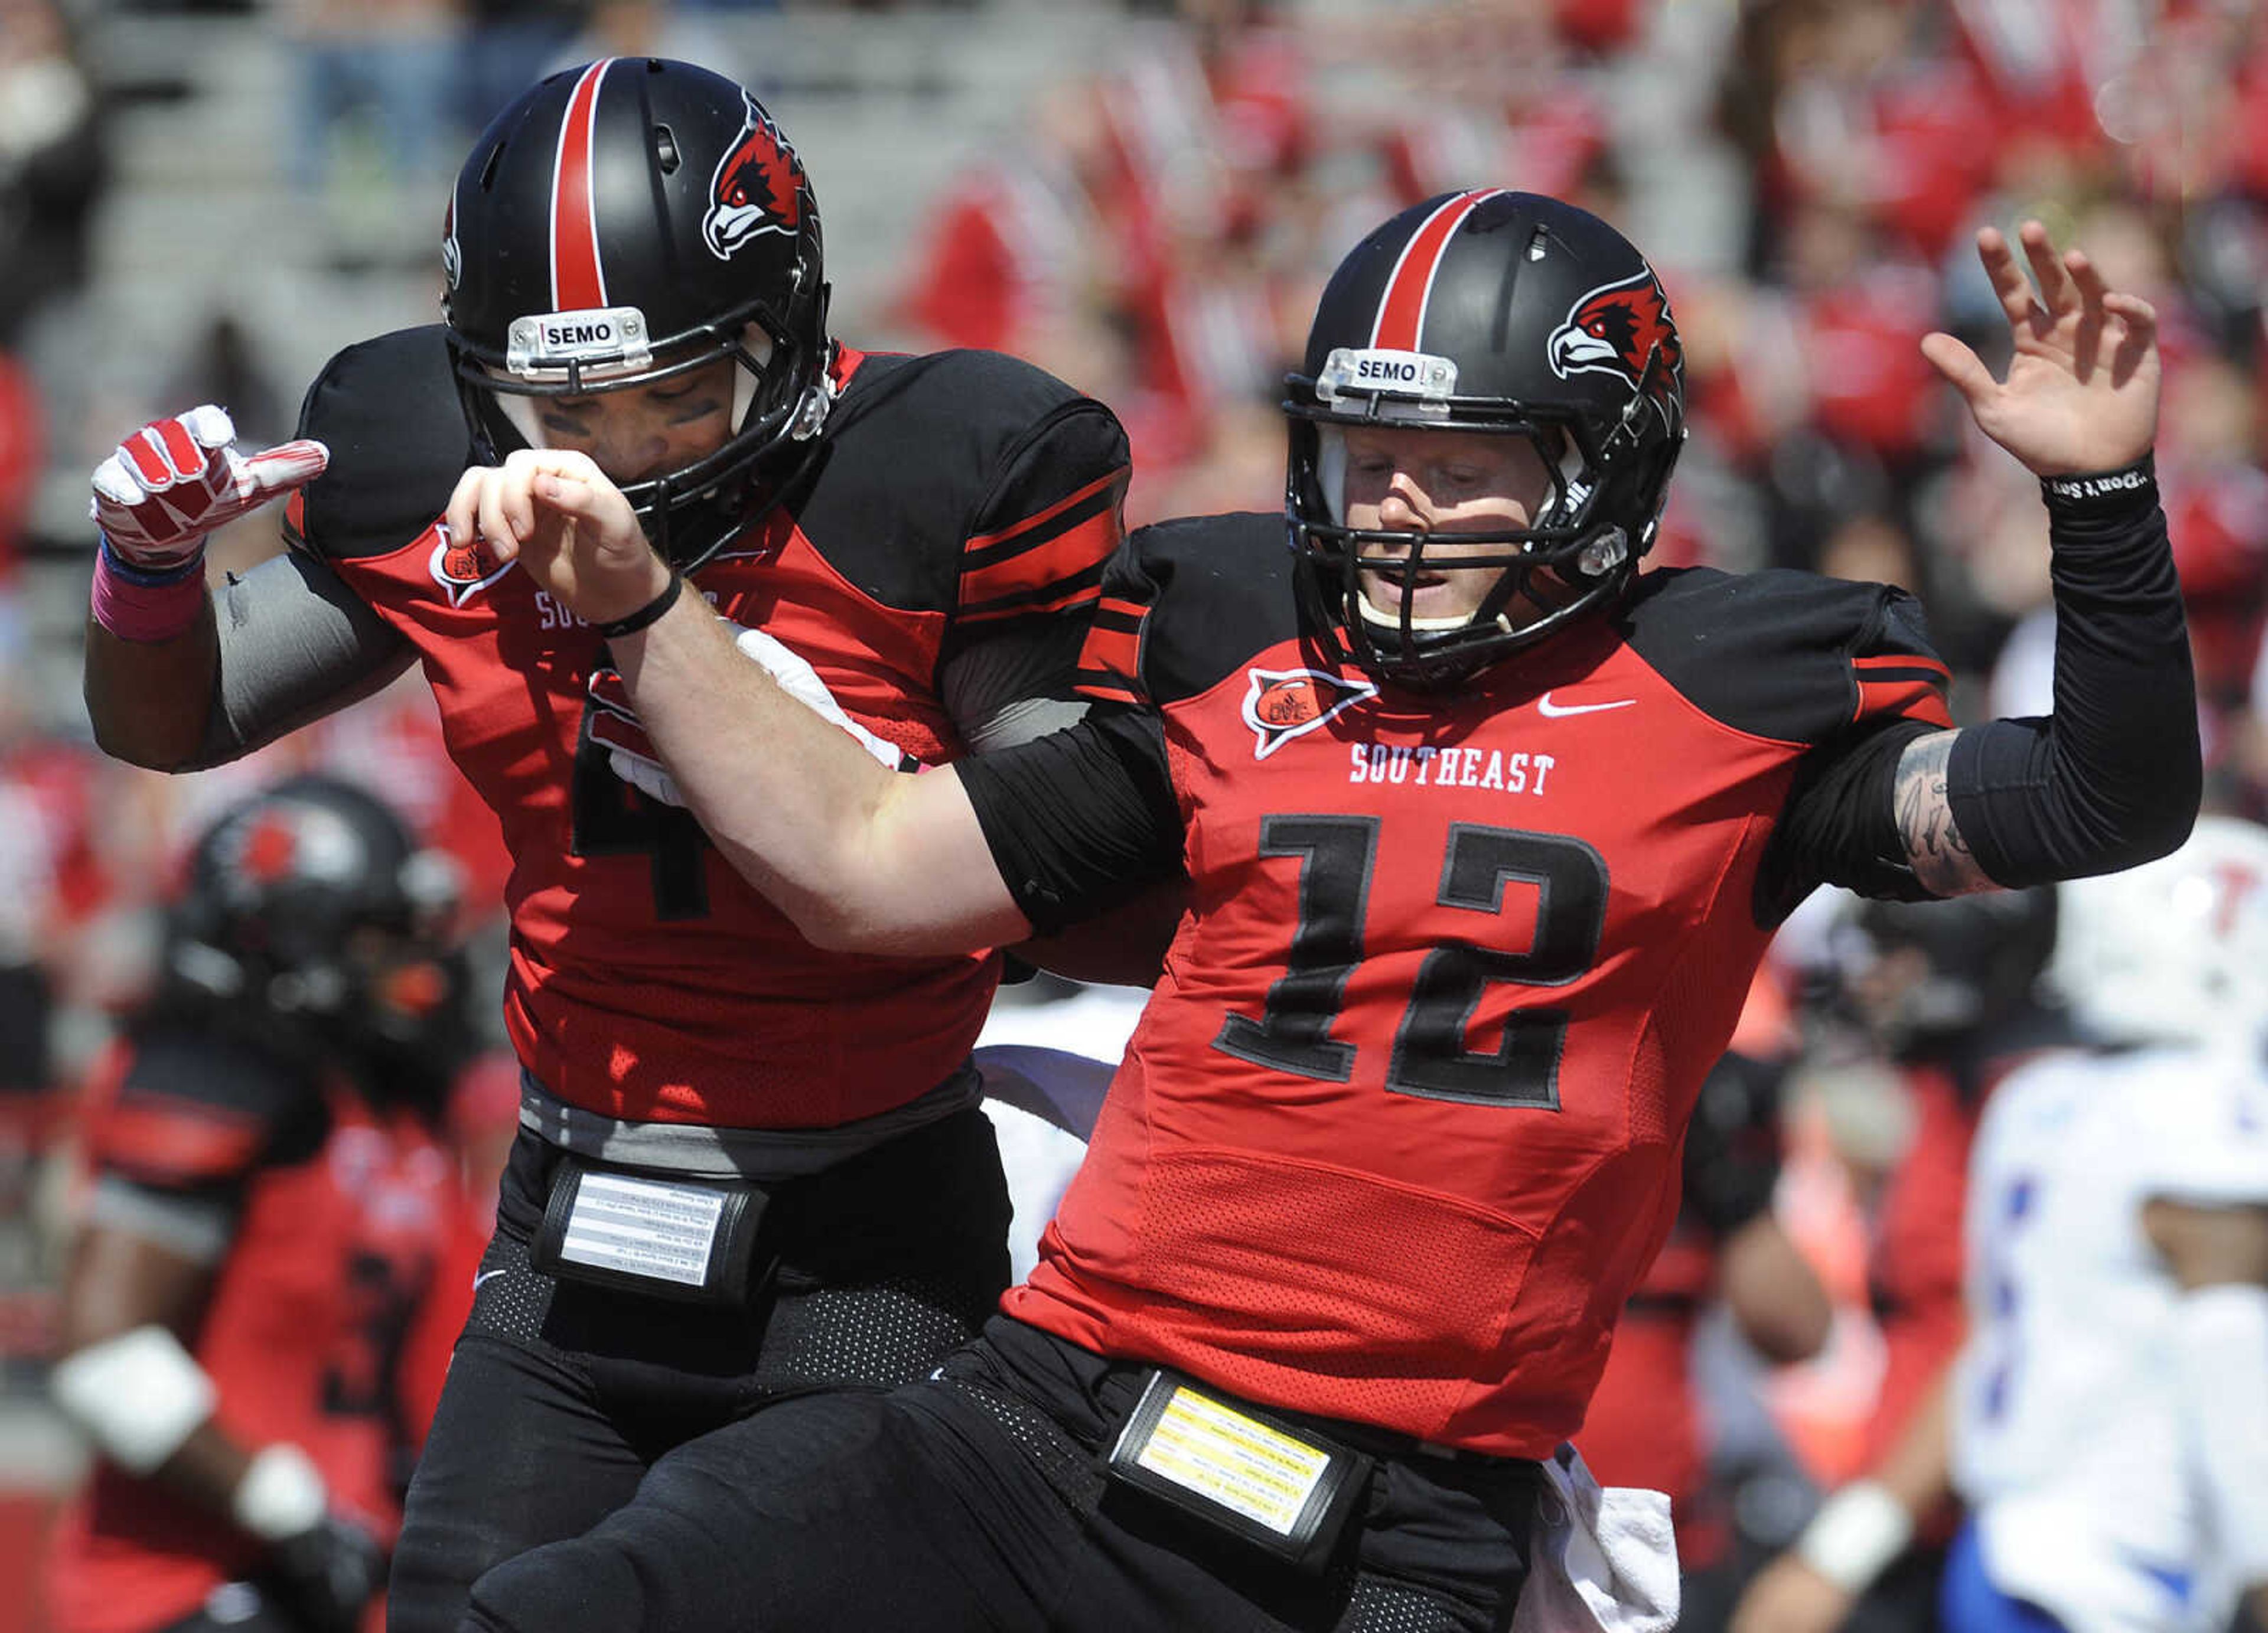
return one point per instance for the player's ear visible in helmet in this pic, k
(620, 225)
(1503, 315)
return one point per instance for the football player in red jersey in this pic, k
(267, 1207)
(1484, 833)
(750, 1168)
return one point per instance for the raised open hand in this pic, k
(2081, 394)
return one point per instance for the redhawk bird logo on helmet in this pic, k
(268, 849)
(1619, 328)
(758, 188)
(1284, 703)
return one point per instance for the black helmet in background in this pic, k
(624, 222)
(313, 922)
(1508, 313)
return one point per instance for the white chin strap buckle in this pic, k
(1610, 550)
(811, 414)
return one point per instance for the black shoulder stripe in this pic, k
(1109, 664)
(1099, 499)
(1054, 562)
(388, 410)
(943, 477)
(1058, 594)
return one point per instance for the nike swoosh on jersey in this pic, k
(486, 1276)
(1551, 710)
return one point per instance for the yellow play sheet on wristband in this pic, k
(1217, 1452)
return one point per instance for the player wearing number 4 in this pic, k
(748, 1168)
(1485, 833)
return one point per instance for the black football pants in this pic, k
(562, 1395)
(975, 1500)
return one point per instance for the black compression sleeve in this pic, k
(2113, 775)
(1081, 820)
(1840, 827)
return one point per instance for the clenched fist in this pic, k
(176, 480)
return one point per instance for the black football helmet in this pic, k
(624, 222)
(310, 917)
(1503, 313)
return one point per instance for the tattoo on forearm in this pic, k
(1941, 858)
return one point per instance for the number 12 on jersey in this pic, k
(1336, 857)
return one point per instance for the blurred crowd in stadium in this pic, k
(1812, 172)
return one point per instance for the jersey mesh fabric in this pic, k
(1397, 1136)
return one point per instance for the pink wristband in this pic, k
(145, 611)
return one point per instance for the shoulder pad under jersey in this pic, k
(1788, 655)
(388, 410)
(1197, 597)
(926, 453)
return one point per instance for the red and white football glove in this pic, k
(632, 757)
(176, 480)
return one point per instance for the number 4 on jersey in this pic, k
(612, 818)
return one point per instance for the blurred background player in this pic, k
(2109, 1414)
(1047, 1052)
(2105, 1420)
(1949, 995)
(265, 1210)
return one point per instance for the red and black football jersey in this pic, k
(956, 499)
(1397, 1134)
(334, 1218)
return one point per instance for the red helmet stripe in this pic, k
(1401, 312)
(577, 281)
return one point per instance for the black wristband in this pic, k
(2103, 495)
(2113, 778)
(632, 623)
